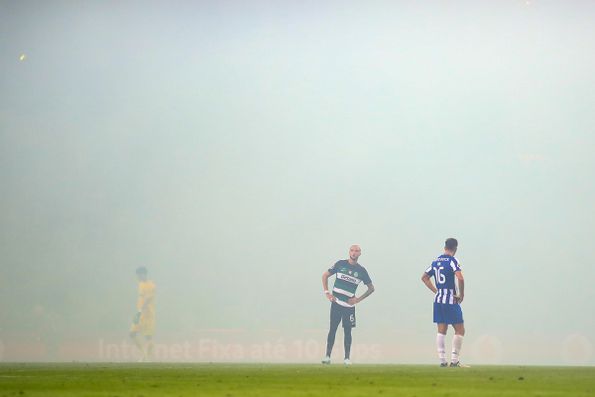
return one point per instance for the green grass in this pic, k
(228, 380)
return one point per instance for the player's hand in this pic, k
(353, 301)
(136, 318)
(330, 297)
(459, 298)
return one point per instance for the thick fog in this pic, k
(237, 150)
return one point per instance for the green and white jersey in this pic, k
(348, 277)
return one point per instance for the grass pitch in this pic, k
(230, 380)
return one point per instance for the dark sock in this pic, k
(330, 340)
(347, 342)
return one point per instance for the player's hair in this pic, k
(142, 270)
(451, 244)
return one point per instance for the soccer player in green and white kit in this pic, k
(349, 275)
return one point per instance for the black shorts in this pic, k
(343, 314)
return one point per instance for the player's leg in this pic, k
(147, 328)
(440, 343)
(149, 347)
(335, 319)
(347, 342)
(442, 327)
(456, 319)
(457, 342)
(348, 325)
(137, 343)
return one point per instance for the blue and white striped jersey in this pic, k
(443, 269)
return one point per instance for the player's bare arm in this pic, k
(461, 282)
(369, 291)
(428, 282)
(325, 277)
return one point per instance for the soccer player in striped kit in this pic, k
(447, 302)
(349, 275)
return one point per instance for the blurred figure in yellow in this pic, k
(143, 323)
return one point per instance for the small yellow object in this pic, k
(22, 57)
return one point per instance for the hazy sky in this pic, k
(237, 149)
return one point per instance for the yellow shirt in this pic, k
(146, 297)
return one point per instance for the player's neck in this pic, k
(449, 253)
(352, 262)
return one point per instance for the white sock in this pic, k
(441, 348)
(457, 342)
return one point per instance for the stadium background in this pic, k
(237, 150)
